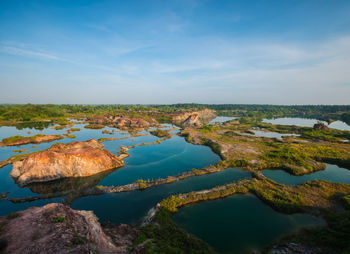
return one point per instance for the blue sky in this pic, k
(275, 52)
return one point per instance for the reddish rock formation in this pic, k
(194, 119)
(37, 139)
(320, 126)
(124, 122)
(56, 228)
(77, 159)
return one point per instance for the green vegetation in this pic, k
(59, 127)
(285, 154)
(94, 126)
(292, 154)
(143, 184)
(69, 135)
(164, 236)
(29, 112)
(316, 197)
(2, 225)
(332, 239)
(172, 203)
(12, 139)
(20, 140)
(77, 240)
(160, 133)
(58, 219)
(13, 216)
(19, 150)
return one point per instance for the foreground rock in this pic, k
(56, 228)
(194, 119)
(77, 159)
(293, 248)
(37, 139)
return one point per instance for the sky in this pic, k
(164, 52)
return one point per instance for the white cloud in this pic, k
(215, 71)
(24, 52)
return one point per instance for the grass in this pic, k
(13, 139)
(24, 140)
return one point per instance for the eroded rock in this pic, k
(76, 159)
(194, 119)
(56, 228)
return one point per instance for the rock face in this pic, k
(77, 159)
(56, 228)
(194, 119)
(37, 139)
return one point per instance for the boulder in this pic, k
(76, 159)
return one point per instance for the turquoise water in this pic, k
(305, 122)
(239, 223)
(244, 219)
(222, 119)
(332, 173)
(171, 157)
(131, 207)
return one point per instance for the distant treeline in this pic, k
(31, 112)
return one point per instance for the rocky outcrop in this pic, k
(37, 139)
(76, 159)
(56, 228)
(320, 126)
(124, 122)
(194, 119)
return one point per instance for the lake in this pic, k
(332, 173)
(222, 119)
(239, 223)
(305, 122)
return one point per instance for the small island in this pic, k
(160, 133)
(37, 139)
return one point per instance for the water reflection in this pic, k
(68, 184)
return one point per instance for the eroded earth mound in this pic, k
(76, 159)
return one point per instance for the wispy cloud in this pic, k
(30, 53)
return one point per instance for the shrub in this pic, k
(58, 219)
